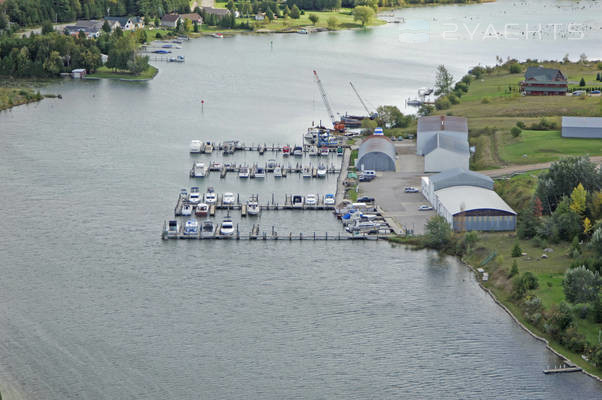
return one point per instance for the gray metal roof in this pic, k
(375, 144)
(460, 177)
(456, 199)
(544, 74)
(447, 142)
(442, 123)
(582, 122)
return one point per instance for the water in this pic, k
(94, 305)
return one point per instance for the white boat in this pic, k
(313, 151)
(208, 148)
(278, 172)
(311, 200)
(187, 210)
(253, 207)
(228, 198)
(227, 228)
(215, 166)
(207, 229)
(306, 172)
(202, 210)
(217, 35)
(270, 165)
(243, 172)
(173, 228)
(198, 170)
(321, 171)
(324, 151)
(260, 172)
(195, 146)
(194, 197)
(191, 227)
(414, 102)
(329, 199)
(298, 151)
(210, 196)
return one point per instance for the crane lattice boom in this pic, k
(325, 98)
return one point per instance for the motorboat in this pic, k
(363, 227)
(306, 172)
(198, 170)
(173, 228)
(311, 200)
(207, 229)
(227, 228)
(297, 200)
(278, 172)
(253, 207)
(184, 193)
(195, 146)
(178, 59)
(210, 198)
(324, 151)
(215, 166)
(261, 149)
(321, 171)
(340, 151)
(271, 164)
(414, 102)
(313, 151)
(286, 151)
(194, 197)
(187, 210)
(298, 151)
(243, 172)
(202, 210)
(208, 148)
(191, 227)
(329, 199)
(217, 35)
(260, 172)
(228, 198)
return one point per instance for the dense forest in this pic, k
(33, 12)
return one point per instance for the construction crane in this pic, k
(337, 125)
(372, 115)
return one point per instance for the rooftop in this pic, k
(170, 17)
(468, 198)
(447, 142)
(442, 123)
(460, 177)
(377, 144)
(544, 74)
(582, 122)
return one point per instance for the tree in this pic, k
(54, 63)
(364, 14)
(287, 11)
(106, 27)
(582, 82)
(516, 250)
(438, 232)
(443, 80)
(581, 285)
(524, 283)
(295, 13)
(230, 6)
(269, 14)
(596, 241)
(391, 117)
(47, 27)
(515, 68)
(587, 225)
(195, 26)
(138, 65)
(3, 21)
(442, 103)
(314, 18)
(332, 22)
(513, 270)
(515, 131)
(578, 199)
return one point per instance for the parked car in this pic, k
(365, 199)
(410, 189)
(595, 92)
(579, 92)
(425, 207)
(366, 177)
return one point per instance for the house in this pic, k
(582, 127)
(124, 23)
(218, 12)
(445, 152)
(170, 20)
(260, 16)
(138, 22)
(376, 153)
(78, 73)
(192, 17)
(91, 28)
(430, 126)
(541, 81)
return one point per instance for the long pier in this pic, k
(298, 168)
(231, 147)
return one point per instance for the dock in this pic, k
(566, 366)
(230, 147)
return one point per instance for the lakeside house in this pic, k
(170, 20)
(540, 81)
(218, 12)
(78, 73)
(92, 28)
(192, 17)
(260, 16)
(125, 23)
(582, 127)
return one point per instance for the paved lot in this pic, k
(387, 190)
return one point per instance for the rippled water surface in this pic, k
(93, 305)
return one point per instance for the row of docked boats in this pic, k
(207, 228)
(200, 170)
(198, 203)
(321, 148)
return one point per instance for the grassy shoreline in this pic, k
(108, 73)
(13, 97)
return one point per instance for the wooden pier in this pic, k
(230, 147)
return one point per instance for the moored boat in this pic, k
(227, 228)
(324, 151)
(208, 229)
(260, 173)
(244, 171)
(321, 171)
(298, 151)
(191, 227)
(195, 146)
(198, 170)
(286, 151)
(253, 207)
(208, 148)
(202, 210)
(278, 172)
(306, 172)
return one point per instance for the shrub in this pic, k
(582, 82)
(515, 68)
(513, 270)
(453, 99)
(515, 131)
(442, 103)
(486, 100)
(438, 233)
(516, 250)
(581, 285)
(521, 124)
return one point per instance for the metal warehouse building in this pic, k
(376, 153)
(582, 127)
(445, 152)
(453, 177)
(430, 126)
(472, 208)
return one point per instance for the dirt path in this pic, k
(513, 169)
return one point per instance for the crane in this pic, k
(337, 125)
(372, 115)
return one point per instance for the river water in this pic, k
(93, 305)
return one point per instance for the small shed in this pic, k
(78, 73)
(376, 153)
(582, 127)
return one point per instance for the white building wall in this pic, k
(423, 138)
(441, 159)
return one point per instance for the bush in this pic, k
(581, 285)
(521, 125)
(582, 82)
(516, 250)
(513, 270)
(515, 68)
(442, 103)
(515, 131)
(453, 99)
(438, 233)
(486, 100)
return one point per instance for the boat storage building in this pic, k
(443, 152)
(376, 153)
(582, 127)
(444, 125)
(467, 201)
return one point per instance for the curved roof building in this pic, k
(376, 153)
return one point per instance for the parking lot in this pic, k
(388, 190)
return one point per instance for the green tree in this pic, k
(138, 65)
(438, 232)
(364, 14)
(106, 27)
(516, 250)
(443, 80)
(295, 13)
(513, 270)
(515, 131)
(515, 68)
(54, 63)
(442, 103)
(332, 22)
(578, 199)
(314, 18)
(596, 241)
(287, 11)
(47, 27)
(391, 117)
(581, 285)
(230, 6)
(269, 14)
(582, 82)
(121, 52)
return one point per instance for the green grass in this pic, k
(543, 146)
(518, 190)
(109, 73)
(11, 97)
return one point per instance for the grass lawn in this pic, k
(11, 97)
(109, 73)
(518, 190)
(542, 146)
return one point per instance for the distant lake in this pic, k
(95, 306)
